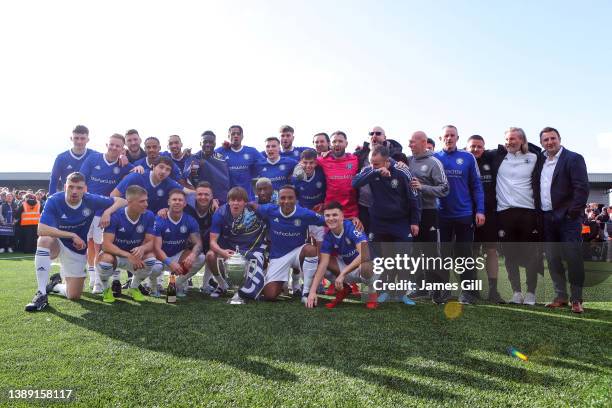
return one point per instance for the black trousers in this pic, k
(518, 231)
(426, 244)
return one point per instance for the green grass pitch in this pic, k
(203, 352)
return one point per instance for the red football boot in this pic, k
(355, 290)
(339, 297)
(372, 302)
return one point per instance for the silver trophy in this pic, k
(236, 269)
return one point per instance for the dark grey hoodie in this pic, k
(430, 173)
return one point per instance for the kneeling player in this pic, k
(349, 266)
(233, 226)
(288, 224)
(172, 234)
(128, 244)
(62, 232)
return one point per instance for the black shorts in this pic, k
(488, 232)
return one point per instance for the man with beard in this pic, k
(176, 152)
(132, 143)
(153, 149)
(321, 143)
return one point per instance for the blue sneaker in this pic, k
(383, 297)
(408, 301)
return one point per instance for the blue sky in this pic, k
(406, 66)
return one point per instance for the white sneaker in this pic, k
(305, 299)
(1, 250)
(530, 299)
(97, 288)
(10, 250)
(517, 298)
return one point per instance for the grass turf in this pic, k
(203, 352)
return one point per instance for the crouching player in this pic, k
(233, 226)
(288, 224)
(172, 235)
(128, 244)
(62, 232)
(350, 262)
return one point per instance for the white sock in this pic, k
(160, 280)
(221, 282)
(105, 270)
(310, 268)
(42, 263)
(206, 277)
(295, 280)
(91, 271)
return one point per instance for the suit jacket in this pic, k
(569, 189)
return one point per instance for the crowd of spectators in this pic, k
(13, 235)
(597, 232)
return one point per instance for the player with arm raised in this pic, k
(172, 235)
(62, 233)
(128, 243)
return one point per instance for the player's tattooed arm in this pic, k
(196, 240)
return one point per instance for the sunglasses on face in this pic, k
(375, 133)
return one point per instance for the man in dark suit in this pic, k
(564, 190)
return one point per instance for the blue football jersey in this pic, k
(345, 245)
(129, 233)
(287, 232)
(246, 231)
(310, 191)
(176, 174)
(180, 163)
(295, 152)
(279, 172)
(157, 194)
(242, 166)
(175, 235)
(66, 163)
(58, 214)
(101, 176)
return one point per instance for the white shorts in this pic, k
(95, 232)
(173, 258)
(72, 264)
(353, 276)
(317, 231)
(278, 268)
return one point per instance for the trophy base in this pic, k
(236, 300)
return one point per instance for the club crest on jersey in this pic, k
(281, 167)
(297, 222)
(319, 184)
(486, 167)
(140, 229)
(183, 229)
(160, 192)
(459, 161)
(116, 170)
(349, 166)
(424, 168)
(86, 212)
(501, 233)
(246, 156)
(394, 183)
